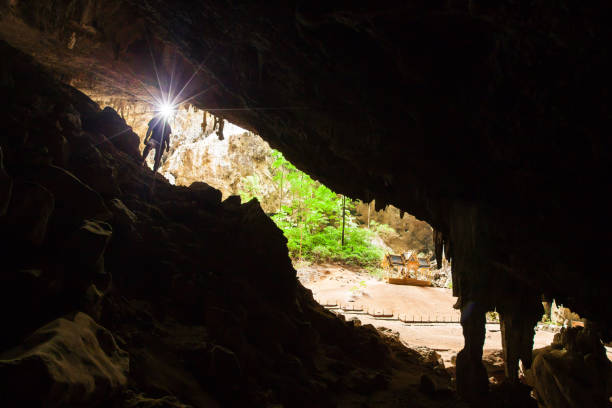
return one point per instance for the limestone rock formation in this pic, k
(197, 154)
(70, 361)
(572, 372)
(410, 233)
(443, 277)
(221, 163)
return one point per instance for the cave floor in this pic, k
(334, 284)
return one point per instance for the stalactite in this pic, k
(518, 316)
(472, 381)
(438, 239)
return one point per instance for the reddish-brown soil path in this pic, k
(332, 284)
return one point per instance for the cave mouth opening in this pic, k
(352, 284)
(207, 148)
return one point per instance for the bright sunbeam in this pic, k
(166, 110)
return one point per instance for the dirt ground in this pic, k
(332, 284)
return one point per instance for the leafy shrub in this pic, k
(311, 217)
(320, 253)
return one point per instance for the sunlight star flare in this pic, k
(166, 109)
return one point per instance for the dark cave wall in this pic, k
(489, 121)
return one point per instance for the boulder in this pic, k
(86, 156)
(430, 357)
(111, 125)
(572, 372)
(70, 119)
(133, 400)
(493, 361)
(86, 246)
(70, 361)
(122, 214)
(84, 254)
(88, 243)
(92, 302)
(29, 212)
(34, 156)
(205, 194)
(74, 200)
(101, 177)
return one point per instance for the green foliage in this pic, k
(360, 286)
(492, 316)
(382, 229)
(317, 242)
(252, 189)
(310, 215)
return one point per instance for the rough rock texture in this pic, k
(200, 292)
(488, 120)
(70, 361)
(115, 129)
(572, 372)
(197, 154)
(493, 361)
(443, 277)
(410, 233)
(561, 315)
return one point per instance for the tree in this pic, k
(310, 215)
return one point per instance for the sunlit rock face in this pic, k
(197, 153)
(195, 156)
(409, 233)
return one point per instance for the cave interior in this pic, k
(490, 121)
